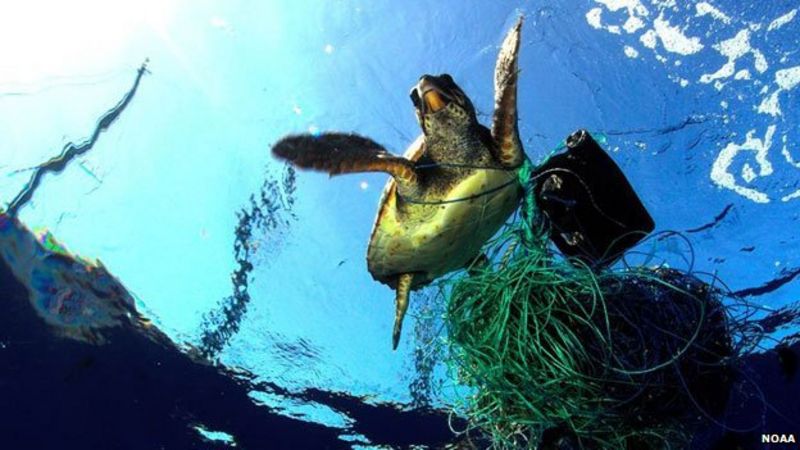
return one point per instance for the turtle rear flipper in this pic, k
(509, 150)
(341, 153)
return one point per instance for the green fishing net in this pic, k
(615, 359)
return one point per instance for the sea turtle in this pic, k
(452, 190)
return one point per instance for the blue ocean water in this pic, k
(697, 102)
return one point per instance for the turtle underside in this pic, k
(443, 229)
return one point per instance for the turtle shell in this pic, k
(432, 240)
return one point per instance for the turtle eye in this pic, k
(450, 85)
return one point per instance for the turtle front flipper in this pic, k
(504, 125)
(401, 305)
(341, 153)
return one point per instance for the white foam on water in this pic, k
(663, 23)
(748, 174)
(787, 155)
(760, 60)
(733, 49)
(678, 80)
(634, 7)
(721, 175)
(782, 20)
(594, 18)
(771, 104)
(648, 39)
(632, 24)
(705, 8)
(786, 79)
(664, 4)
(792, 196)
(673, 39)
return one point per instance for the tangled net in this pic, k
(611, 359)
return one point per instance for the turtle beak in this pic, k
(428, 97)
(433, 100)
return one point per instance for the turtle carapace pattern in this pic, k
(451, 191)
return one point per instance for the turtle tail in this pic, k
(401, 306)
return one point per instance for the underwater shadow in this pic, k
(133, 388)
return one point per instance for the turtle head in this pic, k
(442, 105)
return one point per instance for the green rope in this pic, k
(546, 344)
(525, 176)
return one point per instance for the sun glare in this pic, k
(41, 39)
